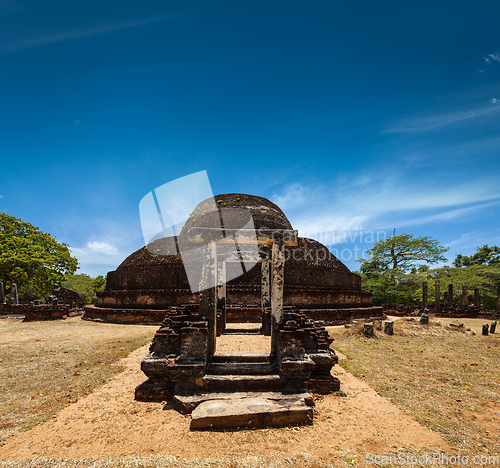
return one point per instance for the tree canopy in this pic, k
(402, 253)
(484, 256)
(85, 285)
(31, 258)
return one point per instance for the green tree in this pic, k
(31, 258)
(397, 266)
(85, 286)
(484, 256)
(402, 252)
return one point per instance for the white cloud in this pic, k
(437, 121)
(83, 33)
(102, 247)
(390, 200)
(495, 57)
(487, 60)
(494, 100)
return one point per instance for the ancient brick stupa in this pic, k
(145, 287)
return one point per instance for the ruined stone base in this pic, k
(154, 391)
(251, 412)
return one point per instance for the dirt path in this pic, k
(110, 423)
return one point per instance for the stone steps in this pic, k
(241, 383)
(241, 357)
(241, 368)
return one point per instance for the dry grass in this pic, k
(302, 461)
(47, 365)
(445, 378)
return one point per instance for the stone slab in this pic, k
(186, 404)
(250, 412)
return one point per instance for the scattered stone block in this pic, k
(493, 326)
(389, 327)
(485, 329)
(457, 324)
(368, 330)
(424, 319)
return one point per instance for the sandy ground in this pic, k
(109, 422)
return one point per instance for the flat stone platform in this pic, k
(249, 410)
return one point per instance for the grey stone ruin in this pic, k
(465, 296)
(36, 302)
(424, 318)
(14, 299)
(54, 301)
(2, 294)
(389, 327)
(493, 326)
(368, 330)
(425, 291)
(437, 294)
(485, 329)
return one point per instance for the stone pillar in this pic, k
(485, 329)
(389, 327)
(465, 296)
(450, 295)
(265, 289)
(2, 294)
(477, 298)
(445, 297)
(222, 294)
(425, 290)
(208, 295)
(368, 330)
(437, 295)
(13, 294)
(265, 297)
(424, 319)
(493, 326)
(277, 284)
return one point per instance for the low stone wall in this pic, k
(444, 311)
(132, 316)
(236, 313)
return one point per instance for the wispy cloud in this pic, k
(495, 57)
(437, 121)
(83, 33)
(391, 199)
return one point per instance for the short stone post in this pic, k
(485, 329)
(368, 330)
(389, 327)
(493, 326)
(2, 294)
(208, 298)
(450, 295)
(425, 290)
(477, 298)
(277, 285)
(14, 299)
(437, 295)
(465, 296)
(424, 319)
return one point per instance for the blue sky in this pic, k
(355, 117)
